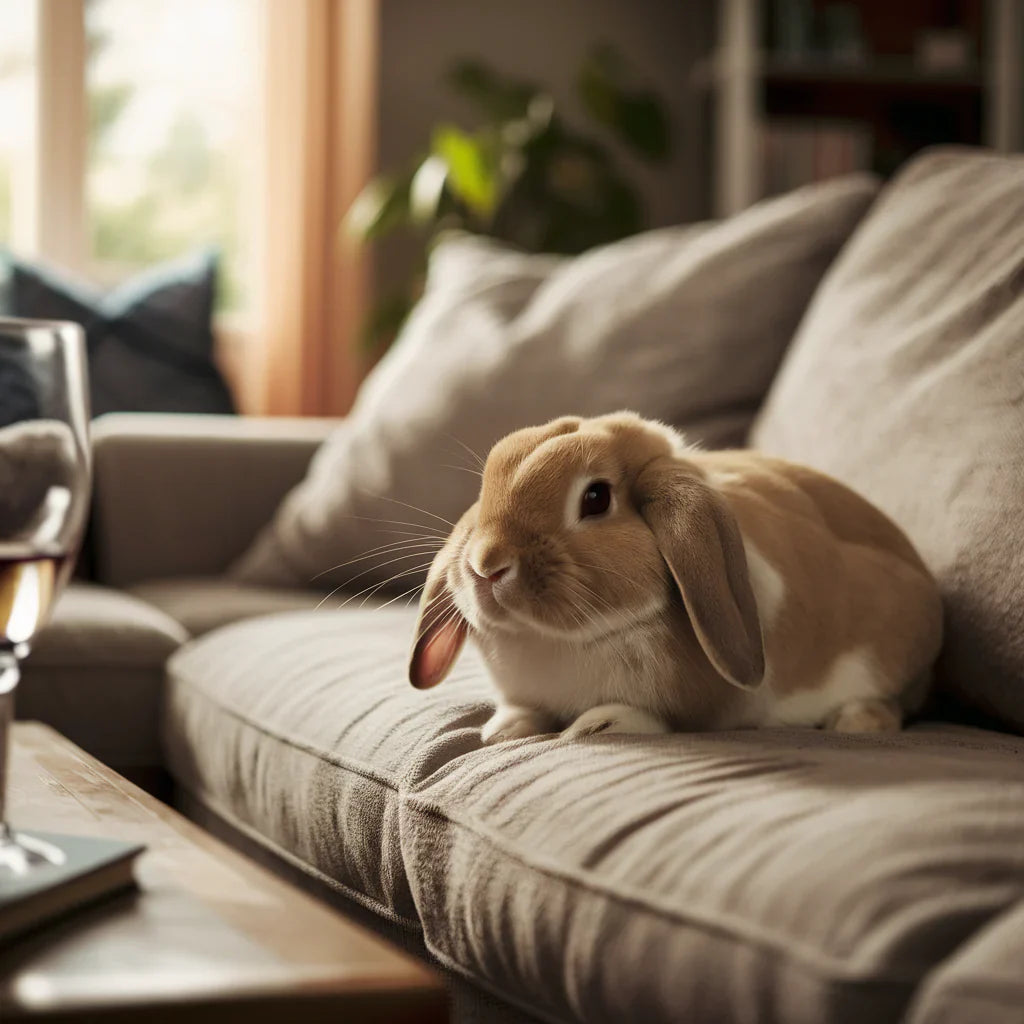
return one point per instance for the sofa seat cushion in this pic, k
(750, 876)
(983, 983)
(96, 674)
(758, 876)
(204, 604)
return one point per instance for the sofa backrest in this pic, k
(906, 381)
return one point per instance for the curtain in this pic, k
(318, 151)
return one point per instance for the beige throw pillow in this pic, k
(687, 325)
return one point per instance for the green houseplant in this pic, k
(524, 175)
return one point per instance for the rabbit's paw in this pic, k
(510, 722)
(613, 718)
(866, 716)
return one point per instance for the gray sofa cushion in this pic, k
(204, 604)
(96, 674)
(906, 381)
(983, 983)
(776, 875)
(765, 876)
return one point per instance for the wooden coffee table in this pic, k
(210, 936)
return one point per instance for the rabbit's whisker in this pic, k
(411, 590)
(465, 447)
(400, 522)
(463, 469)
(363, 591)
(441, 618)
(415, 553)
(413, 508)
(390, 548)
(374, 587)
(607, 569)
(589, 596)
(585, 647)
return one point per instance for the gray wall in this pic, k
(544, 40)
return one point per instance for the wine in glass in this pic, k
(44, 500)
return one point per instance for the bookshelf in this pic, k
(804, 89)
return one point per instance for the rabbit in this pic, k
(616, 580)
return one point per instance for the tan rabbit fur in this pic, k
(706, 569)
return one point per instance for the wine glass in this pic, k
(44, 501)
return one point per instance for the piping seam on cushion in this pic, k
(334, 759)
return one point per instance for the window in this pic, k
(134, 131)
(170, 89)
(17, 120)
(161, 99)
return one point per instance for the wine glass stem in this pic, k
(9, 676)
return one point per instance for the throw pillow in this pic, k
(685, 324)
(907, 382)
(150, 340)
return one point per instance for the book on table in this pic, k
(93, 869)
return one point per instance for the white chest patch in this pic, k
(852, 676)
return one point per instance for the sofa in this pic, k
(755, 876)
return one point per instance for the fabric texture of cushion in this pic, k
(983, 983)
(96, 674)
(150, 340)
(204, 485)
(301, 727)
(686, 325)
(780, 875)
(204, 604)
(906, 381)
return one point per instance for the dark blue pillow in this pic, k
(150, 340)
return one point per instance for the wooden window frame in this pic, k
(53, 224)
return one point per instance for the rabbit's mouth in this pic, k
(567, 626)
(488, 606)
(557, 616)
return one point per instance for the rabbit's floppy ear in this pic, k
(698, 537)
(440, 630)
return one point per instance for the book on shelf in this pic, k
(800, 152)
(93, 869)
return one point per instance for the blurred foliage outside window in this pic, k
(171, 87)
(525, 176)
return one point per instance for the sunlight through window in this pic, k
(172, 92)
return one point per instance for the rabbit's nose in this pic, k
(490, 562)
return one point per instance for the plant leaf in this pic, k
(637, 117)
(382, 206)
(473, 172)
(499, 99)
(427, 190)
(598, 92)
(643, 124)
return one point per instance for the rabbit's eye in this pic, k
(596, 499)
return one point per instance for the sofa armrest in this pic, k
(185, 495)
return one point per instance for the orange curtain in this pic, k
(319, 148)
